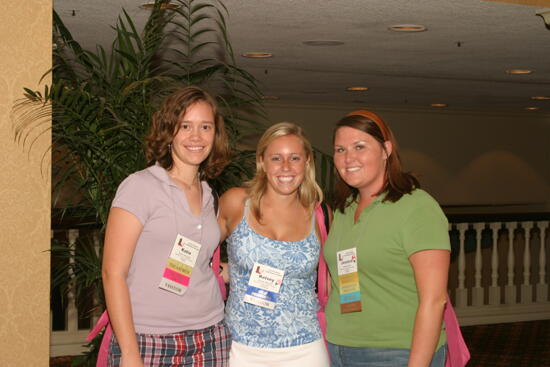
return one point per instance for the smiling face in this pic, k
(360, 159)
(284, 163)
(193, 141)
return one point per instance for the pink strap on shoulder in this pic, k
(216, 269)
(322, 271)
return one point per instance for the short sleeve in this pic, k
(426, 228)
(131, 196)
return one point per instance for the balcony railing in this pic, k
(498, 274)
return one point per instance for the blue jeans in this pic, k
(342, 356)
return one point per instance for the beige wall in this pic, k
(461, 157)
(25, 54)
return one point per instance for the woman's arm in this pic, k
(121, 236)
(431, 269)
(231, 210)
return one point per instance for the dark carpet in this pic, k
(518, 344)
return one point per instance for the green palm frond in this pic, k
(101, 102)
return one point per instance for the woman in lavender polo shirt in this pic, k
(162, 297)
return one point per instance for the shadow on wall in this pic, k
(496, 177)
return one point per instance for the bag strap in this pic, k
(216, 255)
(103, 353)
(324, 206)
(458, 353)
(322, 268)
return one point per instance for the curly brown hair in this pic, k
(165, 125)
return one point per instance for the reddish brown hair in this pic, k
(165, 125)
(396, 182)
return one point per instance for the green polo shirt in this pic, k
(385, 235)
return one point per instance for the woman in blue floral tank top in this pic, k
(273, 248)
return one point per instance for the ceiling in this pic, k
(460, 60)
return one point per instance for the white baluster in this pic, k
(461, 292)
(477, 292)
(510, 289)
(494, 289)
(526, 289)
(72, 311)
(542, 287)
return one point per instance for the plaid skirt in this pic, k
(192, 348)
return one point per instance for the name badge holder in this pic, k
(180, 264)
(348, 279)
(264, 286)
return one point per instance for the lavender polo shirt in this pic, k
(161, 207)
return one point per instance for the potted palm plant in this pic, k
(101, 102)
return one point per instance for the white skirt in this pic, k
(306, 355)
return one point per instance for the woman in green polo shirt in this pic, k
(388, 255)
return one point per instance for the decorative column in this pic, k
(461, 292)
(477, 291)
(526, 290)
(542, 287)
(72, 311)
(494, 289)
(510, 289)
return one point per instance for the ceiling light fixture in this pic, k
(257, 55)
(357, 89)
(518, 71)
(407, 28)
(532, 108)
(439, 105)
(323, 43)
(162, 6)
(540, 98)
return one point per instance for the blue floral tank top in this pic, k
(293, 321)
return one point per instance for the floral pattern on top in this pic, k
(293, 321)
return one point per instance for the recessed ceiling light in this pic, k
(270, 98)
(532, 108)
(518, 71)
(439, 105)
(162, 6)
(323, 43)
(541, 98)
(408, 28)
(357, 89)
(258, 55)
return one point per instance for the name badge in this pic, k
(180, 264)
(264, 286)
(348, 279)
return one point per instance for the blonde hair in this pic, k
(309, 191)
